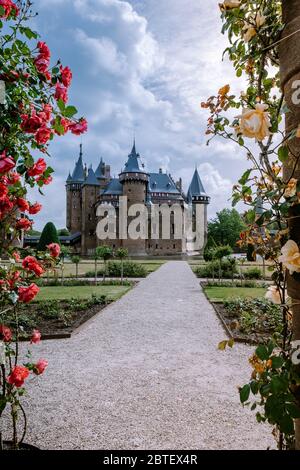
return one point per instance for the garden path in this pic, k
(145, 373)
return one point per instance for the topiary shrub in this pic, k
(211, 269)
(49, 235)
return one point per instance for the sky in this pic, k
(142, 68)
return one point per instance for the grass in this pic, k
(86, 266)
(219, 294)
(81, 292)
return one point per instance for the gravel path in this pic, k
(145, 374)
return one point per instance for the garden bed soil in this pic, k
(57, 329)
(229, 322)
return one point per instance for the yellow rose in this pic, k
(260, 20)
(290, 257)
(255, 123)
(291, 189)
(249, 33)
(273, 295)
(229, 4)
(224, 90)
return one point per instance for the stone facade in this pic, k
(88, 190)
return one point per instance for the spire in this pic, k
(78, 173)
(133, 164)
(196, 187)
(100, 171)
(91, 178)
(69, 179)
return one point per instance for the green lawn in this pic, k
(219, 294)
(81, 292)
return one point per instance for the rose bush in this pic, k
(35, 110)
(254, 30)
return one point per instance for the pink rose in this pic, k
(61, 93)
(38, 168)
(54, 249)
(43, 135)
(5, 334)
(78, 128)
(6, 163)
(35, 337)
(66, 76)
(40, 366)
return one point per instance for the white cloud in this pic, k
(142, 67)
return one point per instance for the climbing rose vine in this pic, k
(253, 121)
(34, 109)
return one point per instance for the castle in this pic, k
(87, 189)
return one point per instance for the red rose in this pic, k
(23, 224)
(17, 376)
(13, 178)
(46, 114)
(9, 7)
(40, 366)
(14, 278)
(30, 263)
(44, 180)
(41, 64)
(38, 168)
(6, 163)
(61, 93)
(35, 208)
(78, 128)
(27, 294)
(43, 135)
(44, 50)
(3, 191)
(5, 206)
(35, 337)
(54, 249)
(5, 334)
(22, 204)
(66, 75)
(31, 124)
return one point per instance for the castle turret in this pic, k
(90, 195)
(199, 201)
(135, 180)
(74, 201)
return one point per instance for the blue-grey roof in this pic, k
(162, 183)
(91, 178)
(78, 173)
(132, 165)
(196, 187)
(69, 179)
(114, 188)
(100, 171)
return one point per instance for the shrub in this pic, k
(131, 269)
(253, 273)
(49, 235)
(211, 269)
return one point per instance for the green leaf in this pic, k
(277, 362)
(245, 177)
(239, 72)
(287, 425)
(61, 106)
(283, 153)
(293, 410)
(250, 216)
(70, 111)
(222, 345)
(262, 352)
(245, 393)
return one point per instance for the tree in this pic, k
(219, 253)
(122, 253)
(49, 235)
(63, 232)
(64, 252)
(289, 74)
(76, 260)
(225, 228)
(104, 252)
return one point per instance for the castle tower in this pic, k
(199, 200)
(103, 174)
(74, 197)
(135, 182)
(90, 194)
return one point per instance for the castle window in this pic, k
(156, 246)
(89, 217)
(91, 233)
(174, 246)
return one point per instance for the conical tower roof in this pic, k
(78, 173)
(133, 165)
(91, 178)
(196, 188)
